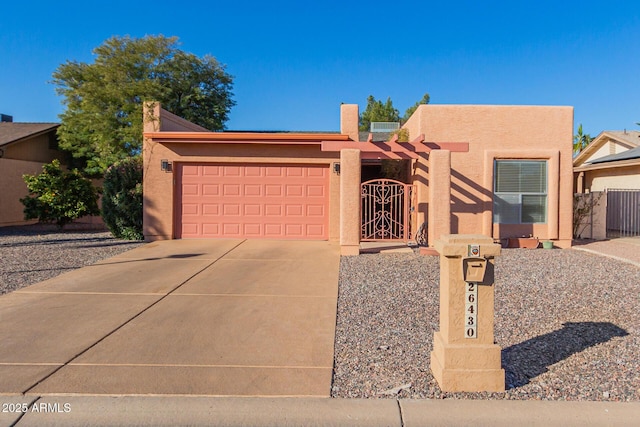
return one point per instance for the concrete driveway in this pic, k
(198, 317)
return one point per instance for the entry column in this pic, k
(350, 201)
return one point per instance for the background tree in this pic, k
(377, 111)
(425, 100)
(59, 196)
(581, 140)
(103, 119)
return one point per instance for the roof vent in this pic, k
(5, 118)
(384, 126)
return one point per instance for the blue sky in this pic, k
(295, 62)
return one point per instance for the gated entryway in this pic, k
(386, 208)
(623, 213)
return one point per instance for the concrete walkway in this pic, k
(625, 249)
(182, 317)
(206, 411)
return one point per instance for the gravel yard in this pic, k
(568, 323)
(34, 253)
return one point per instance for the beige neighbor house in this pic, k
(24, 148)
(500, 171)
(608, 170)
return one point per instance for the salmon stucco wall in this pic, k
(498, 132)
(160, 207)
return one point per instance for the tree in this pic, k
(59, 196)
(122, 199)
(580, 140)
(103, 119)
(376, 111)
(425, 100)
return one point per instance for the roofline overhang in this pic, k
(328, 142)
(31, 135)
(244, 137)
(607, 165)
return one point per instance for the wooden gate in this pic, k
(386, 208)
(623, 213)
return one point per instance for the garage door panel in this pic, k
(315, 191)
(252, 210)
(211, 230)
(315, 210)
(272, 190)
(273, 171)
(252, 230)
(316, 231)
(273, 210)
(273, 230)
(294, 210)
(231, 190)
(253, 190)
(257, 201)
(190, 209)
(294, 190)
(190, 189)
(210, 209)
(232, 171)
(209, 170)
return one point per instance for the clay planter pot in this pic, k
(523, 242)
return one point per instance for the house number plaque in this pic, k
(471, 310)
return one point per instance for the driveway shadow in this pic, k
(531, 358)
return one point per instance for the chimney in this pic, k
(6, 118)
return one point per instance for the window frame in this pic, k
(520, 194)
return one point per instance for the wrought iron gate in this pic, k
(386, 208)
(623, 213)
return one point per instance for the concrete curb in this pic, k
(235, 411)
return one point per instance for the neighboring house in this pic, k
(610, 164)
(611, 160)
(500, 171)
(24, 148)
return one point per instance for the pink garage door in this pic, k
(252, 201)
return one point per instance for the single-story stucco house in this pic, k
(500, 171)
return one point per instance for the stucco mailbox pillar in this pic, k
(464, 356)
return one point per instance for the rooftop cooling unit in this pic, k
(384, 126)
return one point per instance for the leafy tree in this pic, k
(377, 111)
(103, 119)
(581, 140)
(59, 196)
(425, 100)
(122, 199)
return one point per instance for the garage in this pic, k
(252, 200)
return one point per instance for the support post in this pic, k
(439, 194)
(350, 201)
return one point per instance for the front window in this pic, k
(520, 192)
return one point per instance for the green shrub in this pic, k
(122, 199)
(59, 196)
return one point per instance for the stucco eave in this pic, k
(244, 137)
